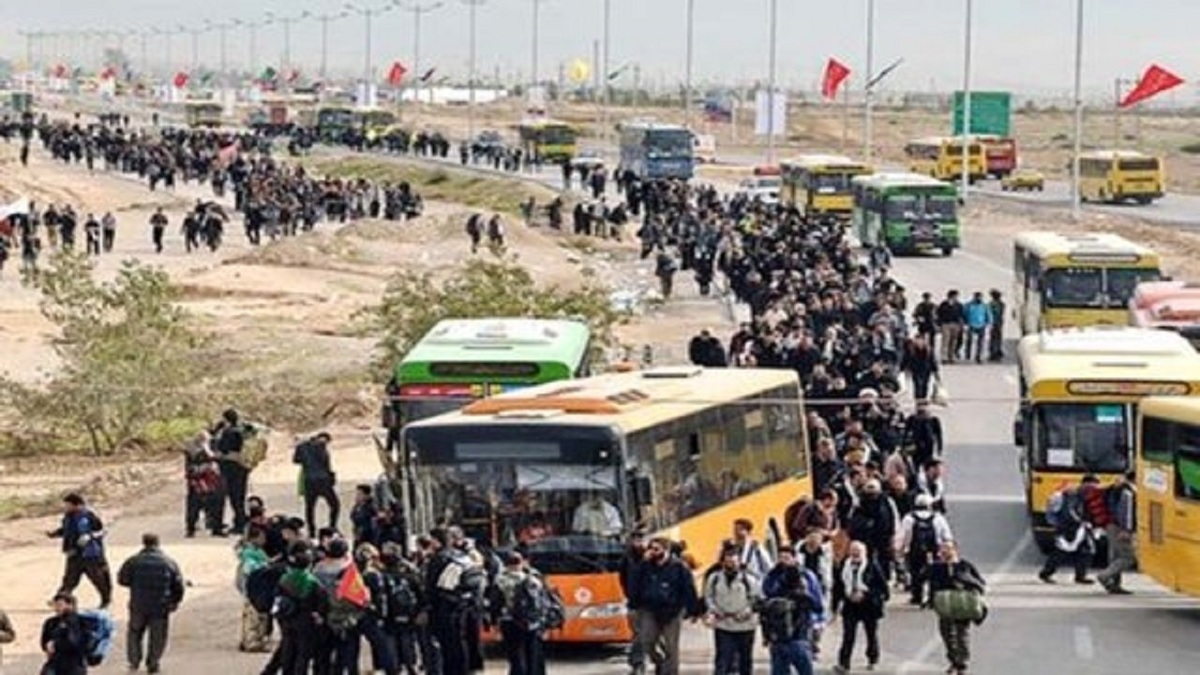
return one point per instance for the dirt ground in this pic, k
(290, 303)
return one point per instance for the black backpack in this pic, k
(404, 603)
(778, 619)
(924, 536)
(528, 608)
(262, 585)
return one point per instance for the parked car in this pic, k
(1023, 179)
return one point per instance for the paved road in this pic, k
(1180, 210)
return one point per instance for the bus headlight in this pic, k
(607, 610)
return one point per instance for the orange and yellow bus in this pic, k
(1079, 391)
(1168, 482)
(564, 471)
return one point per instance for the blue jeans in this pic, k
(791, 657)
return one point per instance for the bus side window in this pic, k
(1185, 446)
(1158, 440)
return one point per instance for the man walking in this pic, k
(318, 480)
(663, 592)
(1120, 532)
(731, 594)
(158, 225)
(949, 317)
(860, 590)
(108, 226)
(155, 591)
(229, 439)
(519, 609)
(82, 534)
(996, 332)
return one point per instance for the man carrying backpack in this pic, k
(64, 639)
(922, 534)
(408, 615)
(341, 630)
(731, 594)
(1121, 530)
(520, 607)
(451, 577)
(1073, 542)
(82, 533)
(786, 619)
(155, 591)
(662, 591)
(318, 480)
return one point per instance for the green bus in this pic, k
(907, 212)
(460, 360)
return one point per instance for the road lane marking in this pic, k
(1084, 649)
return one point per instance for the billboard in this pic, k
(766, 124)
(991, 113)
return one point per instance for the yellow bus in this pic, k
(203, 114)
(552, 141)
(682, 452)
(940, 157)
(1168, 502)
(819, 185)
(1116, 176)
(1079, 390)
(1066, 280)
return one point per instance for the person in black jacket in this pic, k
(155, 591)
(635, 554)
(229, 439)
(662, 591)
(859, 593)
(63, 639)
(953, 573)
(318, 480)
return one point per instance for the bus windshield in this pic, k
(1091, 437)
(552, 492)
(1094, 287)
(920, 207)
(829, 183)
(668, 144)
(554, 135)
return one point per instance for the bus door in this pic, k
(1156, 483)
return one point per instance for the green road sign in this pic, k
(991, 112)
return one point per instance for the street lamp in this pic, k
(687, 68)
(533, 68)
(869, 99)
(418, 11)
(966, 125)
(222, 29)
(771, 93)
(607, 72)
(368, 66)
(472, 6)
(287, 22)
(1075, 197)
(325, 19)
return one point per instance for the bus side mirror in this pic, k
(1021, 425)
(643, 491)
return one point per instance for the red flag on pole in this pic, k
(181, 80)
(1155, 81)
(836, 73)
(61, 71)
(396, 74)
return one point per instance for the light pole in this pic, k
(287, 22)
(222, 29)
(325, 19)
(1075, 197)
(368, 66)
(868, 101)
(607, 73)
(472, 7)
(195, 32)
(533, 66)
(418, 10)
(966, 125)
(771, 82)
(687, 68)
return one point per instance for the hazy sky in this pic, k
(1024, 45)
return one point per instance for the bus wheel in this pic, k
(1143, 200)
(947, 251)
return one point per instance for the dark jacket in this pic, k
(666, 589)
(154, 582)
(874, 598)
(313, 457)
(962, 574)
(70, 645)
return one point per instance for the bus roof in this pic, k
(630, 401)
(939, 140)
(899, 179)
(805, 161)
(1093, 245)
(542, 122)
(1113, 154)
(1108, 353)
(475, 340)
(653, 126)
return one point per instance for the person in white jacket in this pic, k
(922, 534)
